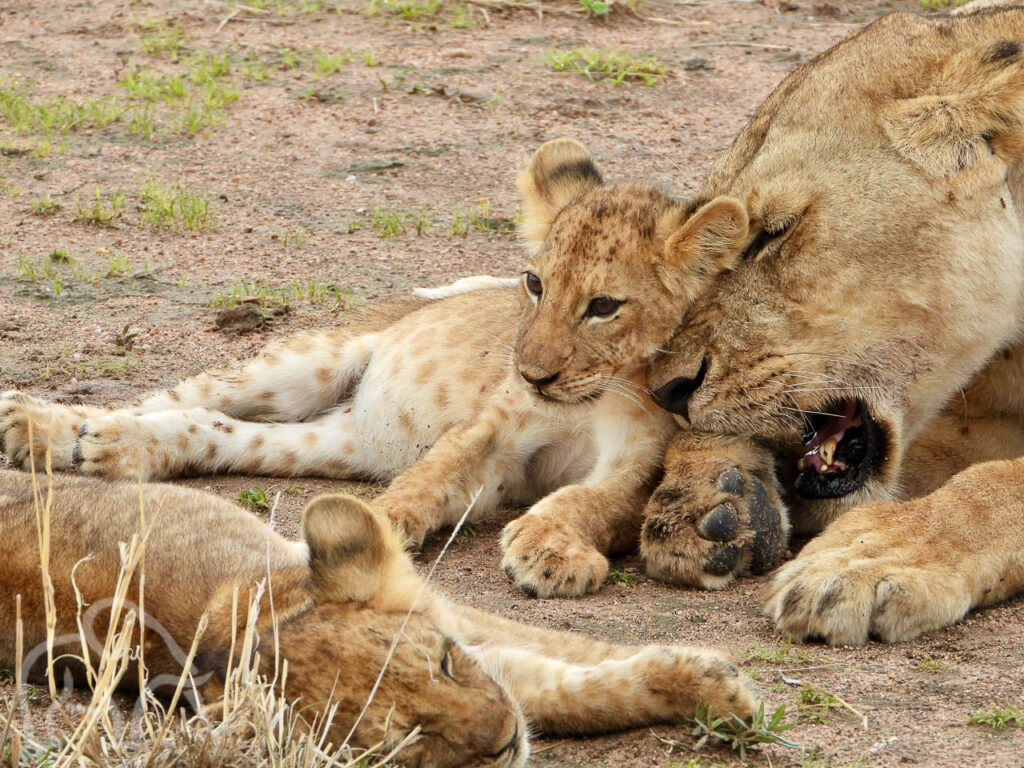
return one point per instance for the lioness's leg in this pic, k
(559, 547)
(896, 570)
(716, 514)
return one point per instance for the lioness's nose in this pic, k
(538, 381)
(675, 396)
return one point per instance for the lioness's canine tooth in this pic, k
(828, 451)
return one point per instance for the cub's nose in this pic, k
(675, 396)
(538, 381)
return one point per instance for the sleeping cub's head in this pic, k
(612, 270)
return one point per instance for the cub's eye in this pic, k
(602, 306)
(448, 666)
(533, 284)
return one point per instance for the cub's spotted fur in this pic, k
(531, 395)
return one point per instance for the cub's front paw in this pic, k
(546, 558)
(685, 677)
(119, 446)
(704, 531)
(53, 426)
(856, 585)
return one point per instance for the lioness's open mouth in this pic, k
(842, 446)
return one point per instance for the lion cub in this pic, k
(526, 395)
(476, 684)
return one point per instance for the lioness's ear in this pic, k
(559, 171)
(972, 109)
(353, 555)
(700, 246)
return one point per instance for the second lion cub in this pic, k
(532, 394)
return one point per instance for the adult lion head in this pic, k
(884, 263)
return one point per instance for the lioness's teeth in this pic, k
(828, 451)
(801, 465)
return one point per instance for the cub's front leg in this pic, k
(894, 570)
(717, 513)
(467, 465)
(559, 547)
(53, 427)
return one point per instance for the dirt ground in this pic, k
(332, 130)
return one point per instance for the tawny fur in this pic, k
(473, 682)
(433, 394)
(893, 168)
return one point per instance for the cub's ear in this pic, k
(559, 171)
(700, 246)
(972, 109)
(353, 554)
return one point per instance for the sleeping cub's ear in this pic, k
(699, 246)
(558, 172)
(355, 556)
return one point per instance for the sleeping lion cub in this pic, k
(476, 684)
(532, 394)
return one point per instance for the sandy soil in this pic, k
(295, 168)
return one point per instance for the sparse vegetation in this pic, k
(172, 206)
(159, 37)
(738, 734)
(100, 211)
(254, 498)
(312, 290)
(608, 64)
(816, 703)
(782, 651)
(626, 578)
(479, 218)
(45, 206)
(411, 10)
(394, 222)
(998, 717)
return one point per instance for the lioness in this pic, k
(520, 394)
(473, 682)
(877, 312)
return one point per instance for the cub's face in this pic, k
(365, 621)
(613, 269)
(884, 263)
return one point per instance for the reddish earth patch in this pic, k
(295, 167)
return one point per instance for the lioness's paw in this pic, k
(846, 595)
(705, 531)
(53, 426)
(685, 677)
(545, 558)
(118, 446)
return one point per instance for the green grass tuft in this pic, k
(174, 207)
(608, 64)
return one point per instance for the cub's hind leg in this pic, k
(303, 377)
(291, 381)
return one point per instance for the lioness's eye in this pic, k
(533, 284)
(762, 240)
(602, 306)
(447, 665)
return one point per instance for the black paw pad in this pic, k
(731, 482)
(82, 431)
(769, 545)
(723, 561)
(720, 524)
(76, 454)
